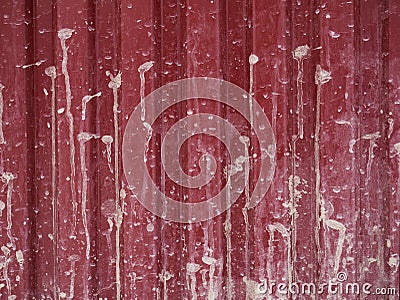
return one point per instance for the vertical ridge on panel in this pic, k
(236, 219)
(393, 135)
(383, 156)
(143, 276)
(74, 147)
(304, 145)
(335, 79)
(370, 144)
(46, 208)
(28, 283)
(109, 76)
(250, 62)
(276, 215)
(204, 265)
(173, 67)
(16, 157)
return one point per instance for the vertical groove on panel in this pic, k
(384, 146)
(357, 106)
(30, 152)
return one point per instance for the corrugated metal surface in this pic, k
(325, 74)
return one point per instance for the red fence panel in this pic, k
(199, 149)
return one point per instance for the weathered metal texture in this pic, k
(72, 72)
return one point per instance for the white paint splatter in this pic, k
(372, 145)
(237, 165)
(246, 142)
(252, 289)
(394, 261)
(35, 64)
(212, 291)
(52, 73)
(294, 194)
(133, 277)
(2, 207)
(253, 59)
(72, 259)
(19, 255)
(343, 122)
(148, 138)
(391, 125)
(191, 269)
(150, 227)
(339, 248)
(63, 35)
(84, 137)
(397, 150)
(164, 277)
(203, 278)
(333, 34)
(300, 54)
(2, 141)
(108, 211)
(85, 100)
(107, 140)
(8, 179)
(228, 232)
(321, 77)
(115, 84)
(143, 68)
(279, 227)
(4, 262)
(370, 136)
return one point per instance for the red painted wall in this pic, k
(327, 79)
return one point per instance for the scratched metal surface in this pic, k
(325, 74)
